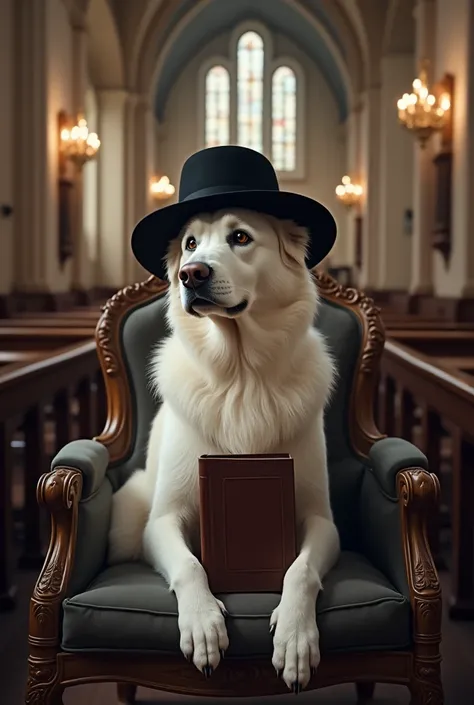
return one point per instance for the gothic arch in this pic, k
(160, 30)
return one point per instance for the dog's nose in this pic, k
(194, 274)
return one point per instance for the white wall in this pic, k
(325, 147)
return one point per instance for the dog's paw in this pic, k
(295, 643)
(203, 632)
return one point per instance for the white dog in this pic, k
(244, 371)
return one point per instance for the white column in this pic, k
(83, 269)
(7, 67)
(31, 155)
(139, 168)
(423, 173)
(396, 177)
(146, 203)
(370, 158)
(353, 168)
(114, 241)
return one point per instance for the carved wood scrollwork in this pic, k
(418, 492)
(59, 491)
(363, 428)
(42, 686)
(117, 433)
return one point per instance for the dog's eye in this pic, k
(191, 243)
(240, 237)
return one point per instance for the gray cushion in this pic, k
(129, 608)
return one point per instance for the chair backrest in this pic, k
(133, 323)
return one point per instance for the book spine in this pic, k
(204, 514)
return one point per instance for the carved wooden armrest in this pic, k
(59, 491)
(419, 492)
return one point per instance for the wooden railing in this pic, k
(43, 405)
(432, 404)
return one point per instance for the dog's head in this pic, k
(231, 262)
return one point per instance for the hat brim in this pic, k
(152, 235)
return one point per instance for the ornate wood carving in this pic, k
(418, 492)
(59, 491)
(117, 433)
(363, 429)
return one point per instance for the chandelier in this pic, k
(78, 144)
(348, 193)
(421, 111)
(161, 189)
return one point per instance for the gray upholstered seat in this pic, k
(364, 605)
(129, 608)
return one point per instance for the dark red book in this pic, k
(247, 517)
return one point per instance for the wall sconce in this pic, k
(76, 143)
(348, 193)
(161, 189)
(422, 112)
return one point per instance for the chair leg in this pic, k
(365, 692)
(42, 687)
(426, 694)
(126, 693)
(426, 687)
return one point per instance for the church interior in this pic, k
(366, 105)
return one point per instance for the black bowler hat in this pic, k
(229, 177)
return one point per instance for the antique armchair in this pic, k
(380, 611)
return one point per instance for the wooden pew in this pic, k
(56, 378)
(436, 342)
(418, 392)
(56, 322)
(400, 323)
(39, 338)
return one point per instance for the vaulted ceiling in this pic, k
(152, 41)
(280, 16)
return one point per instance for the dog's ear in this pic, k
(294, 242)
(172, 259)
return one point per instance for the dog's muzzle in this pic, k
(201, 302)
(198, 298)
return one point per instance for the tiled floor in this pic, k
(458, 669)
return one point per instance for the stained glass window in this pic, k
(284, 119)
(250, 91)
(217, 127)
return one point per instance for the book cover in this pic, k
(247, 521)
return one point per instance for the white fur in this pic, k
(252, 383)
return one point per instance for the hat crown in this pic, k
(226, 168)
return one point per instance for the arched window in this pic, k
(256, 102)
(217, 106)
(284, 119)
(250, 91)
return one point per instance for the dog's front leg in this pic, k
(293, 622)
(201, 616)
